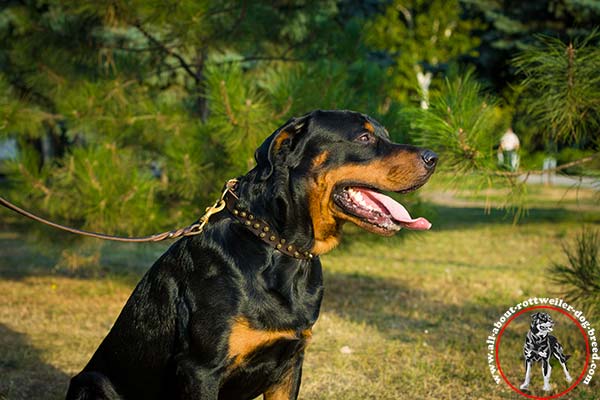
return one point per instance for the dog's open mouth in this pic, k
(545, 327)
(376, 209)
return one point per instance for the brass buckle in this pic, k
(219, 205)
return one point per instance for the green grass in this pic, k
(403, 317)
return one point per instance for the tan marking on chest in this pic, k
(244, 339)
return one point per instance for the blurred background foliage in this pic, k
(128, 116)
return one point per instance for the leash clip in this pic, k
(197, 228)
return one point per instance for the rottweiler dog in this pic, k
(227, 314)
(540, 346)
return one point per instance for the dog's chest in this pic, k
(244, 340)
(258, 358)
(540, 345)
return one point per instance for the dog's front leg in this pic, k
(525, 384)
(546, 370)
(567, 375)
(194, 381)
(562, 359)
(289, 386)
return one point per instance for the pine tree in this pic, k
(510, 26)
(561, 87)
(579, 277)
(423, 38)
(150, 107)
(131, 115)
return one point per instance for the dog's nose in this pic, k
(429, 158)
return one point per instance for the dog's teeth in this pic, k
(358, 198)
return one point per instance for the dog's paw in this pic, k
(568, 378)
(547, 388)
(524, 386)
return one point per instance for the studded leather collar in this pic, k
(262, 229)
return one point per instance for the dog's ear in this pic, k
(535, 316)
(278, 145)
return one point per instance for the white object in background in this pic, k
(424, 80)
(509, 146)
(549, 165)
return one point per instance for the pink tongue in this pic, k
(396, 210)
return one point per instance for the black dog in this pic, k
(227, 314)
(540, 346)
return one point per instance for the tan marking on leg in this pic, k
(282, 390)
(307, 334)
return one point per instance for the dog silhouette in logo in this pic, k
(540, 345)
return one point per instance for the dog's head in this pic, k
(339, 163)
(541, 323)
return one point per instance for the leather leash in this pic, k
(190, 230)
(227, 200)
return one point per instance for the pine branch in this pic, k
(36, 183)
(228, 110)
(135, 49)
(260, 58)
(184, 64)
(213, 13)
(283, 56)
(285, 110)
(545, 171)
(230, 32)
(27, 92)
(240, 18)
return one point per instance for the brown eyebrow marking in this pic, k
(320, 159)
(368, 126)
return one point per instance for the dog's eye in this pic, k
(365, 138)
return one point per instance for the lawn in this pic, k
(403, 318)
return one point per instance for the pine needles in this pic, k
(562, 86)
(461, 123)
(579, 277)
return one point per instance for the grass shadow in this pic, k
(448, 218)
(454, 218)
(401, 312)
(405, 314)
(47, 252)
(24, 373)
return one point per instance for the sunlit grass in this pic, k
(403, 317)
